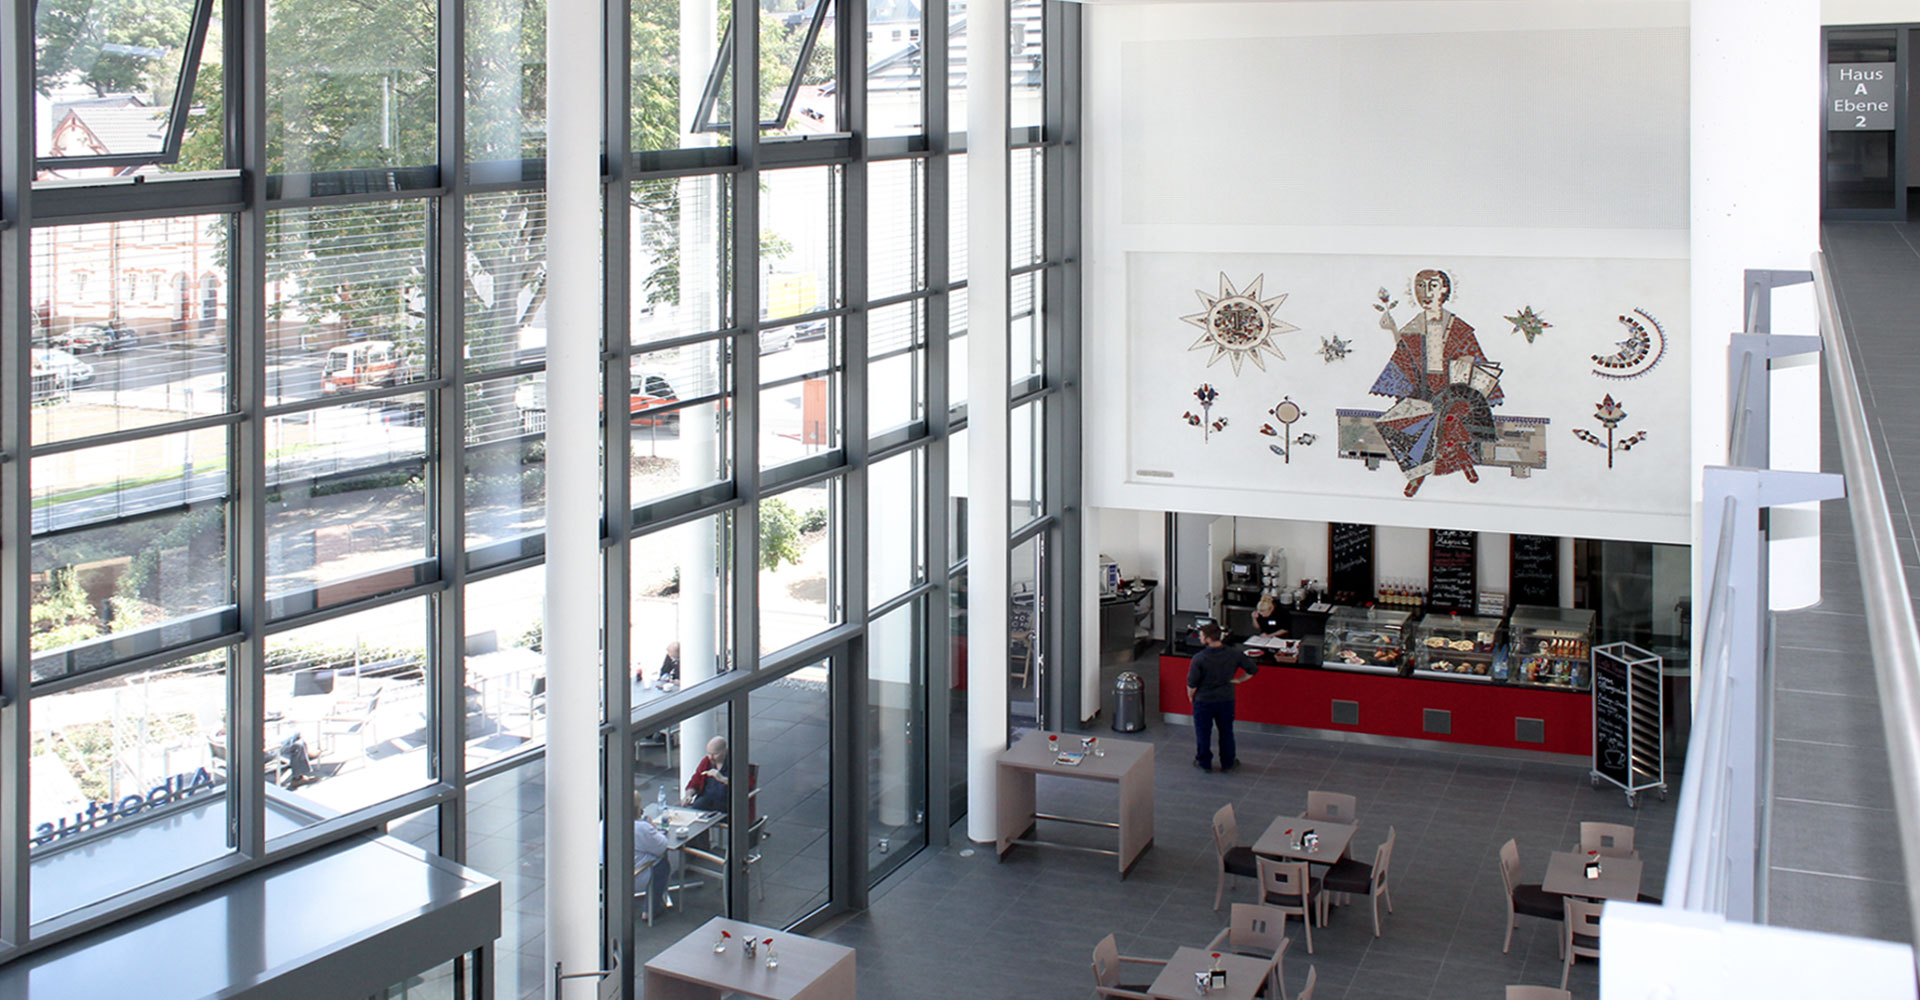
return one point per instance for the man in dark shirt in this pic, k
(1210, 680)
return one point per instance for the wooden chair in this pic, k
(1286, 887)
(1235, 858)
(1106, 972)
(1258, 931)
(1362, 878)
(1313, 976)
(1020, 656)
(1529, 898)
(1582, 935)
(1537, 993)
(1609, 840)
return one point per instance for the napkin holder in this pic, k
(1310, 840)
(1217, 978)
(1593, 868)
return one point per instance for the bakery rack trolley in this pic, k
(1628, 745)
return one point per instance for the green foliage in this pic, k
(110, 46)
(535, 635)
(62, 614)
(815, 519)
(780, 530)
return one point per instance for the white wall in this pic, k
(1870, 11)
(1481, 133)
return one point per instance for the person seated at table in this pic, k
(1266, 619)
(649, 855)
(709, 787)
(293, 750)
(670, 667)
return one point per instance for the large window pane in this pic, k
(350, 85)
(682, 419)
(956, 681)
(110, 71)
(957, 348)
(674, 47)
(130, 539)
(800, 418)
(799, 241)
(347, 503)
(681, 271)
(507, 839)
(129, 325)
(506, 79)
(506, 286)
(1026, 63)
(785, 26)
(896, 535)
(957, 214)
(506, 670)
(128, 782)
(896, 365)
(1026, 331)
(957, 37)
(506, 460)
(346, 299)
(350, 697)
(680, 830)
(957, 498)
(1026, 479)
(790, 796)
(1025, 634)
(801, 583)
(896, 739)
(1026, 186)
(896, 228)
(680, 611)
(894, 64)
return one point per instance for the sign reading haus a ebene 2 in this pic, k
(1860, 97)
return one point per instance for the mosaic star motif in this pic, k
(1238, 325)
(1333, 349)
(1529, 323)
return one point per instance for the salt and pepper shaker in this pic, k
(773, 961)
(748, 948)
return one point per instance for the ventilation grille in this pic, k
(1529, 730)
(1438, 721)
(1346, 713)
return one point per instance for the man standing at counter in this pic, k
(1210, 682)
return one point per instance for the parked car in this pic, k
(76, 340)
(71, 370)
(777, 339)
(369, 364)
(647, 391)
(109, 336)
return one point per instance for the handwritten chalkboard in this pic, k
(1612, 753)
(1452, 565)
(1350, 561)
(1533, 571)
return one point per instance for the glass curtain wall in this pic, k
(272, 467)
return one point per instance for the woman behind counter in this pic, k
(1266, 620)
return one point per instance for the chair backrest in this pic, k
(1583, 919)
(1611, 840)
(1306, 992)
(1226, 832)
(1331, 807)
(1381, 859)
(1510, 866)
(1283, 878)
(1261, 928)
(1106, 962)
(1537, 993)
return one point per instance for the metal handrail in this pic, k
(1691, 877)
(1883, 585)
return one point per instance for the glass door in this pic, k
(1026, 635)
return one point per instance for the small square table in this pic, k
(1567, 876)
(1245, 976)
(810, 969)
(1127, 763)
(1277, 843)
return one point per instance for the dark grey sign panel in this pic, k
(1860, 97)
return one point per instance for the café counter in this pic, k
(1539, 719)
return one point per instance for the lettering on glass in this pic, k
(1861, 98)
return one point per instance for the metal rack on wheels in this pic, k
(1628, 745)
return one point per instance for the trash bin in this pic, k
(1129, 703)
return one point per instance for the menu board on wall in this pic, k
(1611, 751)
(1533, 571)
(1350, 561)
(1452, 558)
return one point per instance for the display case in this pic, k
(1456, 647)
(1370, 640)
(1547, 647)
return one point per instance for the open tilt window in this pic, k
(113, 79)
(793, 39)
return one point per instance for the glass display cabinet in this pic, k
(1547, 647)
(1456, 647)
(1370, 640)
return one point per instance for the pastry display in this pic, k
(1457, 647)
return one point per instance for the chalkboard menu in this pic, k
(1611, 751)
(1534, 571)
(1452, 579)
(1350, 561)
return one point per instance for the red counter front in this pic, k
(1488, 715)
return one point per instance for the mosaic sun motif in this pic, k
(1645, 345)
(1238, 325)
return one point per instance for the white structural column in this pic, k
(1754, 106)
(573, 490)
(987, 395)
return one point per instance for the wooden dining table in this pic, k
(1245, 976)
(1277, 841)
(1567, 876)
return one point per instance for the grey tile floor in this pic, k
(1834, 864)
(957, 923)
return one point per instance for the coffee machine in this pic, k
(1240, 590)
